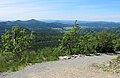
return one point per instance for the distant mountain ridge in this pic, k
(95, 24)
(31, 24)
(36, 24)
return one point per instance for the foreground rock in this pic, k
(73, 68)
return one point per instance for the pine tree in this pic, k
(69, 44)
(16, 41)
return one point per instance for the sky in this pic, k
(89, 10)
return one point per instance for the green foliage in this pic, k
(69, 42)
(18, 49)
(48, 54)
(104, 42)
(31, 57)
(7, 63)
(117, 44)
(75, 43)
(87, 44)
(46, 39)
(16, 41)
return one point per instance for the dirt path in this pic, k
(73, 68)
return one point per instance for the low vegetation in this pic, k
(112, 66)
(20, 47)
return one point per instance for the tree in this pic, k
(69, 44)
(16, 41)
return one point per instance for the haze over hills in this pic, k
(36, 24)
(100, 24)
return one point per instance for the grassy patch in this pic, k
(111, 66)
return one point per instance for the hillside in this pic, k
(31, 24)
(36, 24)
(60, 25)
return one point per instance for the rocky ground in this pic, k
(81, 67)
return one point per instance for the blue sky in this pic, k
(98, 10)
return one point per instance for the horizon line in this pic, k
(59, 20)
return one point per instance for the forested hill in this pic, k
(35, 24)
(46, 25)
(31, 24)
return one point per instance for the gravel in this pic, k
(72, 68)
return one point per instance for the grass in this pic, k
(112, 66)
(7, 63)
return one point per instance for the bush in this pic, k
(3, 64)
(87, 44)
(104, 42)
(30, 57)
(7, 61)
(117, 44)
(48, 54)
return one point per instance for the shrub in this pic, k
(48, 54)
(117, 44)
(87, 44)
(104, 42)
